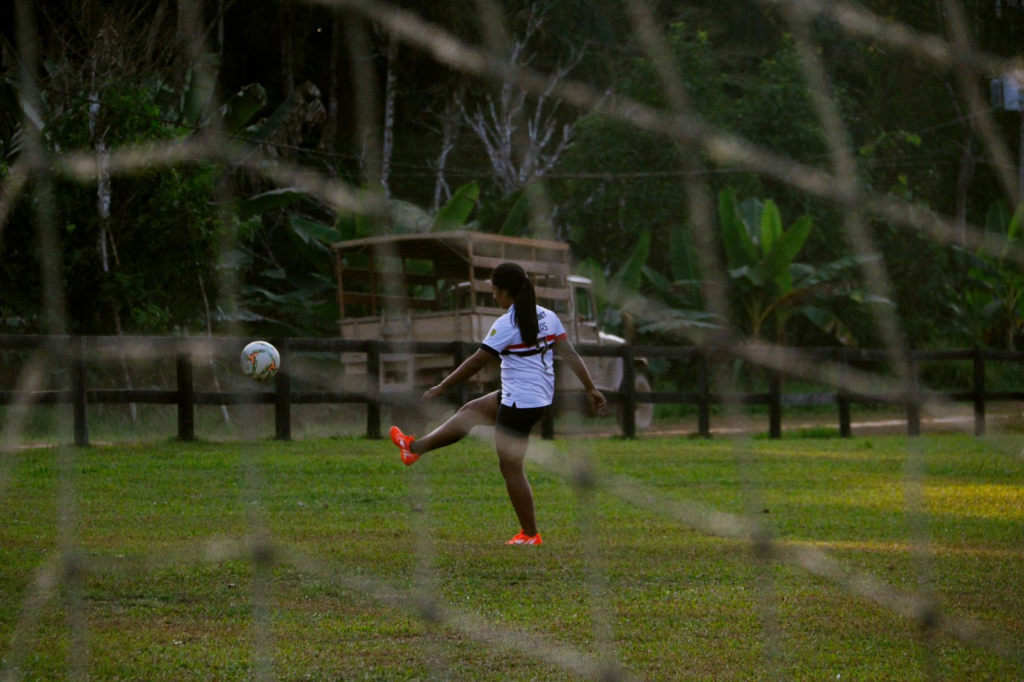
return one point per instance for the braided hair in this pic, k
(512, 278)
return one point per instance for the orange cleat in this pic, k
(404, 442)
(524, 539)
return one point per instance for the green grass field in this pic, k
(167, 595)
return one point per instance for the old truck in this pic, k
(436, 287)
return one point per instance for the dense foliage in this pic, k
(199, 245)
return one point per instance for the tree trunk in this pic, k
(1020, 171)
(334, 83)
(390, 94)
(450, 128)
(103, 196)
(364, 87)
(187, 30)
(155, 31)
(968, 162)
(287, 48)
(220, 31)
(213, 365)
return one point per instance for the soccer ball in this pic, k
(260, 360)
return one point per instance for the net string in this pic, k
(701, 221)
(67, 522)
(55, 321)
(876, 281)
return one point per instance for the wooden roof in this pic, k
(431, 245)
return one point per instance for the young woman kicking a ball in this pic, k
(523, 338)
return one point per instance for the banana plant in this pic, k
(995, 296)
(768, 285)
(682, 292)
(614, 293)
(618, 299)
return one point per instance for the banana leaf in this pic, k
(771, 226)
(682, 253)
(517, 222)
(314, 233)
(775, 266)
(828, 323)
(626, 282)
(243, 105)
(739, 248)
(454, 214)
(202, 79)
(405, 217)
(269, 201)
(997, 217)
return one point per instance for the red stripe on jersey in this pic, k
(547, 339)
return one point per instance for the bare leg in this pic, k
(479, 412)
(511, 453)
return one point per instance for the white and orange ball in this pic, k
(260, 360)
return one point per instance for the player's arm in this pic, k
(473, 364)
(565, 350)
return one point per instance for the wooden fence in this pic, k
(75, 350)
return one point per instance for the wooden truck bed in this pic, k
(400, 372)
(435, 287)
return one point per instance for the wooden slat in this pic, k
(519, 241)
(367, 276)
(531, 267)
(484, 286)
(390, 301)
(341, 284)
(459, 241)
(36, 397)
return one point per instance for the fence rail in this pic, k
(76, 349)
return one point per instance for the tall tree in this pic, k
(523, 139)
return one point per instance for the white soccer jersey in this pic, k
(527, 369)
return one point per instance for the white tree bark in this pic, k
(450, 128)
(497, 125)
(103, 198)
(213, 364)
(390, 94)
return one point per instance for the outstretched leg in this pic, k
(511, 454)
(479, 412)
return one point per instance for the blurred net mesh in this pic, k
(705, 148)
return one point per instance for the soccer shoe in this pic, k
(403, 442)
(523, 539)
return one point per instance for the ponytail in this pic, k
(526, 313)
(512, 278)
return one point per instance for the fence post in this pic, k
(78, 391)
(843, 396)
(628, 390)
(775, 405)
(373, 390)
(704, 396)
(186, 393)
(979, 392)
(913, 398)
(283, 395)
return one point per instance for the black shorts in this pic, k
(517, 421)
